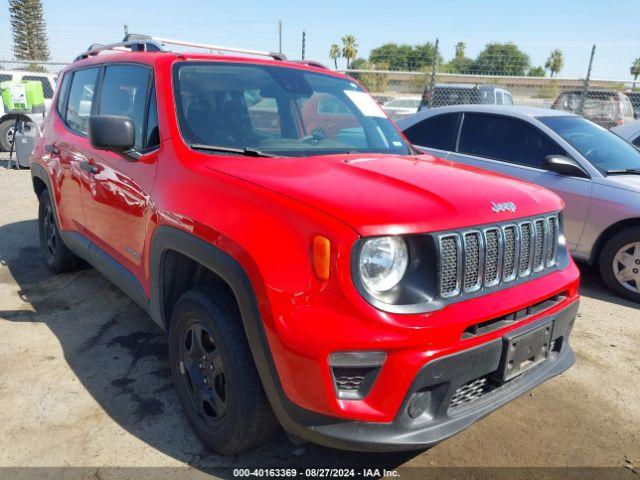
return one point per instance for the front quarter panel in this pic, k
(610, 205)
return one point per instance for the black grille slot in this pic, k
(509, 252)
(552, 240)
(472, 277)
(525, 250)
(492, 246)
(538, 250)
(517, 316)
(449, 259)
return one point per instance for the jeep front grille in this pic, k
(473, 259)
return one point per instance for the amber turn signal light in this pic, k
(321, 256)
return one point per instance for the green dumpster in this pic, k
(25, 96)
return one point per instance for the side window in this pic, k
(124, 92)
(152, 133)
(80, 100)
(507, 139)
(4, 77)
(498, 98)
(47, 89)
(435, 132)
(636, 142)
(508, 99)
(64, 93)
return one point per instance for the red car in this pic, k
(323, 275)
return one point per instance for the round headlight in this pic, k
(383, 262)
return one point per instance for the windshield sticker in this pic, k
(367, 105)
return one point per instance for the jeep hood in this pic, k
(382, 194)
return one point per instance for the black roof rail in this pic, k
(311, 63)
(146, 43)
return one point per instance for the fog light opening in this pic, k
(354, 373)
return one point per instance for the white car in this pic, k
(402, 107)
(7, 120)
(629, 131)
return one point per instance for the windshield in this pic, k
(605, 150)
(279, 111)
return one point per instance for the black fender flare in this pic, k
(293, 418)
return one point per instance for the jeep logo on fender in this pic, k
(503, 207)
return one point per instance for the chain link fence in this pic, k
(498, 80)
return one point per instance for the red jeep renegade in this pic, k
(311, 267)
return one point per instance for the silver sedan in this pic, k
(596, 173)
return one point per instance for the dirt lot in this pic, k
(84, 382)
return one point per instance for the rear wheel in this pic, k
(620, 263)
(56, 255)
(216, 380)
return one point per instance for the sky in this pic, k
(537, 27)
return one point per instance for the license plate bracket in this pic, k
(524, 351)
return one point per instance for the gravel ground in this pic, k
(84, 382)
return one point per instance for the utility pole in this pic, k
(434, 70)
(126, 30)
(303, 43)
(280, 37)
(585, 86)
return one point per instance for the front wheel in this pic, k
(620, 263)
(214, 374)
(56, 255)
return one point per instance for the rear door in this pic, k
(517, 148)
(117, 201)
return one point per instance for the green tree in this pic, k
(536, 72)
(501, 59)
(29, 30)
(372, 81)
(349, 48)
(405, 57)
(555, 62)
(635, 70)
(334, 54)
(460, 63)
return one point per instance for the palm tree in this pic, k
(349, 48)
(334, 54)
(555, 62)
(635, 70)
(460, 49)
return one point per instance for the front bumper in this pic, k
(428, 415)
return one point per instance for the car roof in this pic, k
(509, 110)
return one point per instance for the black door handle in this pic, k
(52, 149)
(89, 167)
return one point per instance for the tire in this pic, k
(214, 374)
(620, 260)
(57, 257)
(5, 128)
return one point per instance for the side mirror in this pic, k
(565, 166)
(112, 132)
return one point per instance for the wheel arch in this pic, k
(168, 239)
(608, 233)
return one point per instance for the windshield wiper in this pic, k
(249, 152)
(624, 171)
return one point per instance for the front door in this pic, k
(117, 202)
